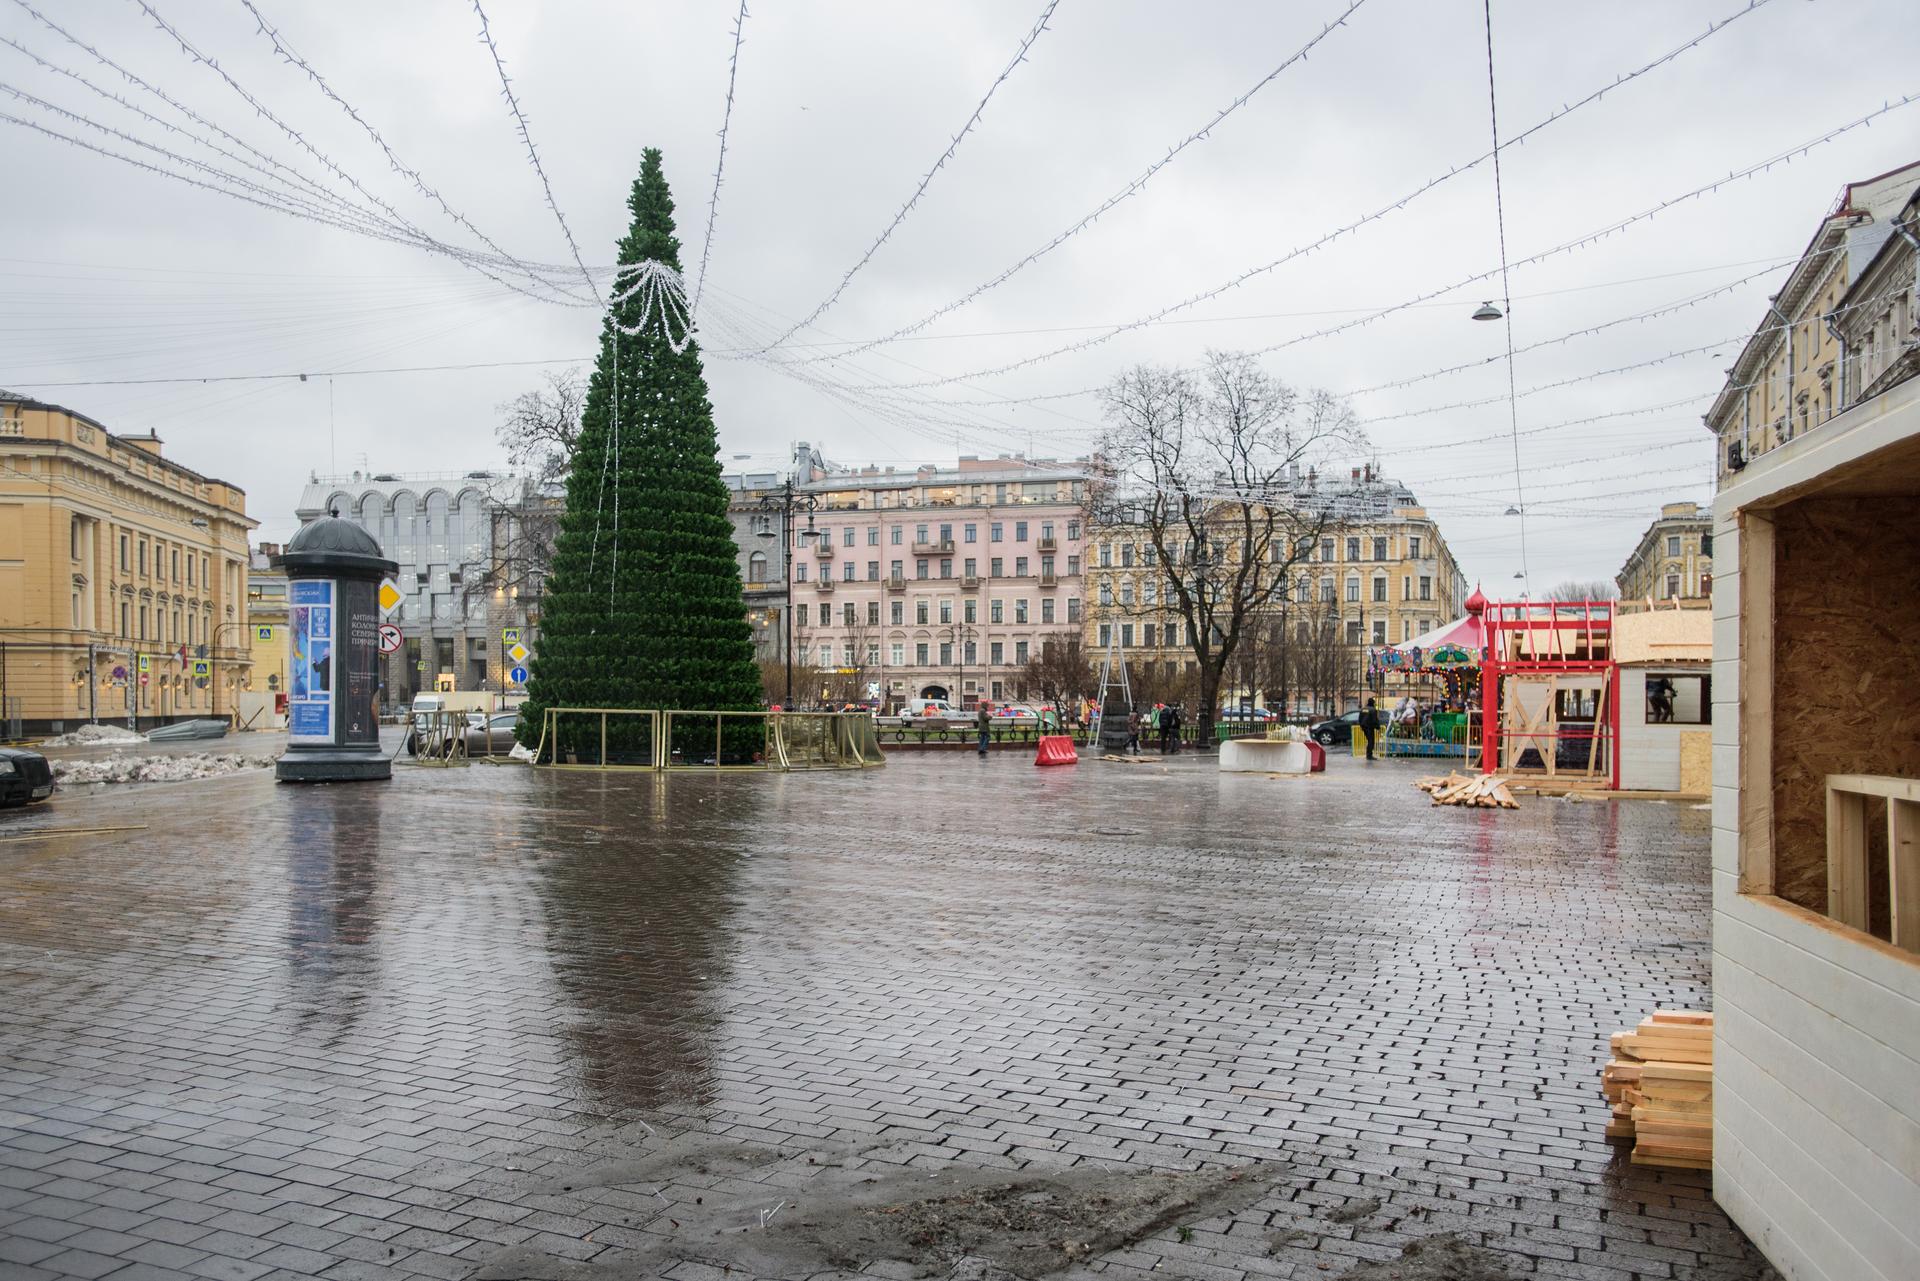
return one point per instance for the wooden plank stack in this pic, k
(1487, 791)
(1660, 1083)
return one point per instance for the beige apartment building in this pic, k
(1788, 378)
(1378, 573)
(1674, 558)
(123, 577)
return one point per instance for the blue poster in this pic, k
(310, 615)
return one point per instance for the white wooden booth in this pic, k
(1816, 858)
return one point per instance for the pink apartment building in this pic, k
(939, 583)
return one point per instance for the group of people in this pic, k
(1161, 721)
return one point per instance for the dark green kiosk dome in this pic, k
(331, 545)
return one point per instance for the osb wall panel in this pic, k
(1846, 667)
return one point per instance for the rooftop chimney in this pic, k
(146, 441)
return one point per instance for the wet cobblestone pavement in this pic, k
(497, 1022)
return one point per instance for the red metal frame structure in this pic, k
(1548, 639)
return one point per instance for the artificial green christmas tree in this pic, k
(643, 606)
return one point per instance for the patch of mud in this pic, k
(1441, 1258)
(1354, 1211)
(1280, 1238)
(690, 1154)
(982, 1222)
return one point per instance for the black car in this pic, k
(1337, 729)
(25, 776)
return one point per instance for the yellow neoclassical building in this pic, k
(123, 578)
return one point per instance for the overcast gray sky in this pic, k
(115, 273)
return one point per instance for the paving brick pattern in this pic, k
(388, 1031)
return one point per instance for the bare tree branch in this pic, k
(1208, 467)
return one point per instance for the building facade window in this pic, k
(757, 568)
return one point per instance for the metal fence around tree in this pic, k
(606, 738)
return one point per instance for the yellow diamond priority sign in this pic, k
(518, 653)
(390, 596)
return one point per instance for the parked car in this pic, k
(493, 735)
(485, 735)
(1016, 712)
(921, 711)
(1248, 714)
(1336, 729)
(25, 777)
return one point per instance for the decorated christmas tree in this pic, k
(643, 605)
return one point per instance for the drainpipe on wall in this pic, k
(1773, 305)
(1840, 374)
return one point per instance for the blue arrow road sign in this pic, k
(518, 676)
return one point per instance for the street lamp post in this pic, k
(213, 667)
(786, 501)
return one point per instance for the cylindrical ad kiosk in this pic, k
(334, 569)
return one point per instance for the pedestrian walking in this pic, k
(1133, 732)
(1370, 725)
(983, 721)
(1175, 719)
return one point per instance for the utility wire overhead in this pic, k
(293, 59)
(1301, 252)
(720, 164)
(926, 180)
(1132, 188)
(526, 136)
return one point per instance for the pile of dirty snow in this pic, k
(156, 769)
(96, 736)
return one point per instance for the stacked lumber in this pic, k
(1660, 1083)
(1487, 791)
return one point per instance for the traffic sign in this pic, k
(202, 667)
(144, 663)
(510, 636)
(390, 638)
(390, 596)
(263, 632)
(518, 676)
(518, 653)
(420, 666)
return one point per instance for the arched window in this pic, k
(757, 568)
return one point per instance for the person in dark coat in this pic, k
(1370, 725)
(983, 722)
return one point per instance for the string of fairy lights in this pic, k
(937, 407)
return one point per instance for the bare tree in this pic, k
(1325, 665)
(1206, 464)
(1062, 672)
(1582, 589)
(539, 429)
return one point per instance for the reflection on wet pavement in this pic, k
(390, 1030)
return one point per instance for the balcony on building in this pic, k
(1048, 543)
(933, 547)
(969, 582)
(823, 584)
(1049, 579)
(824, 551)
(896, 583)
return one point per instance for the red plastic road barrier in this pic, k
(1318, 755)
(1056, 749)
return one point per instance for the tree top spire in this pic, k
(652, 233)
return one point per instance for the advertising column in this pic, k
(334, 574)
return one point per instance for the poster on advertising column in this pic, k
(310, 620)
(359, 656)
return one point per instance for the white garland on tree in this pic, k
(661, 293)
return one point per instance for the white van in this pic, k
(921, 710)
